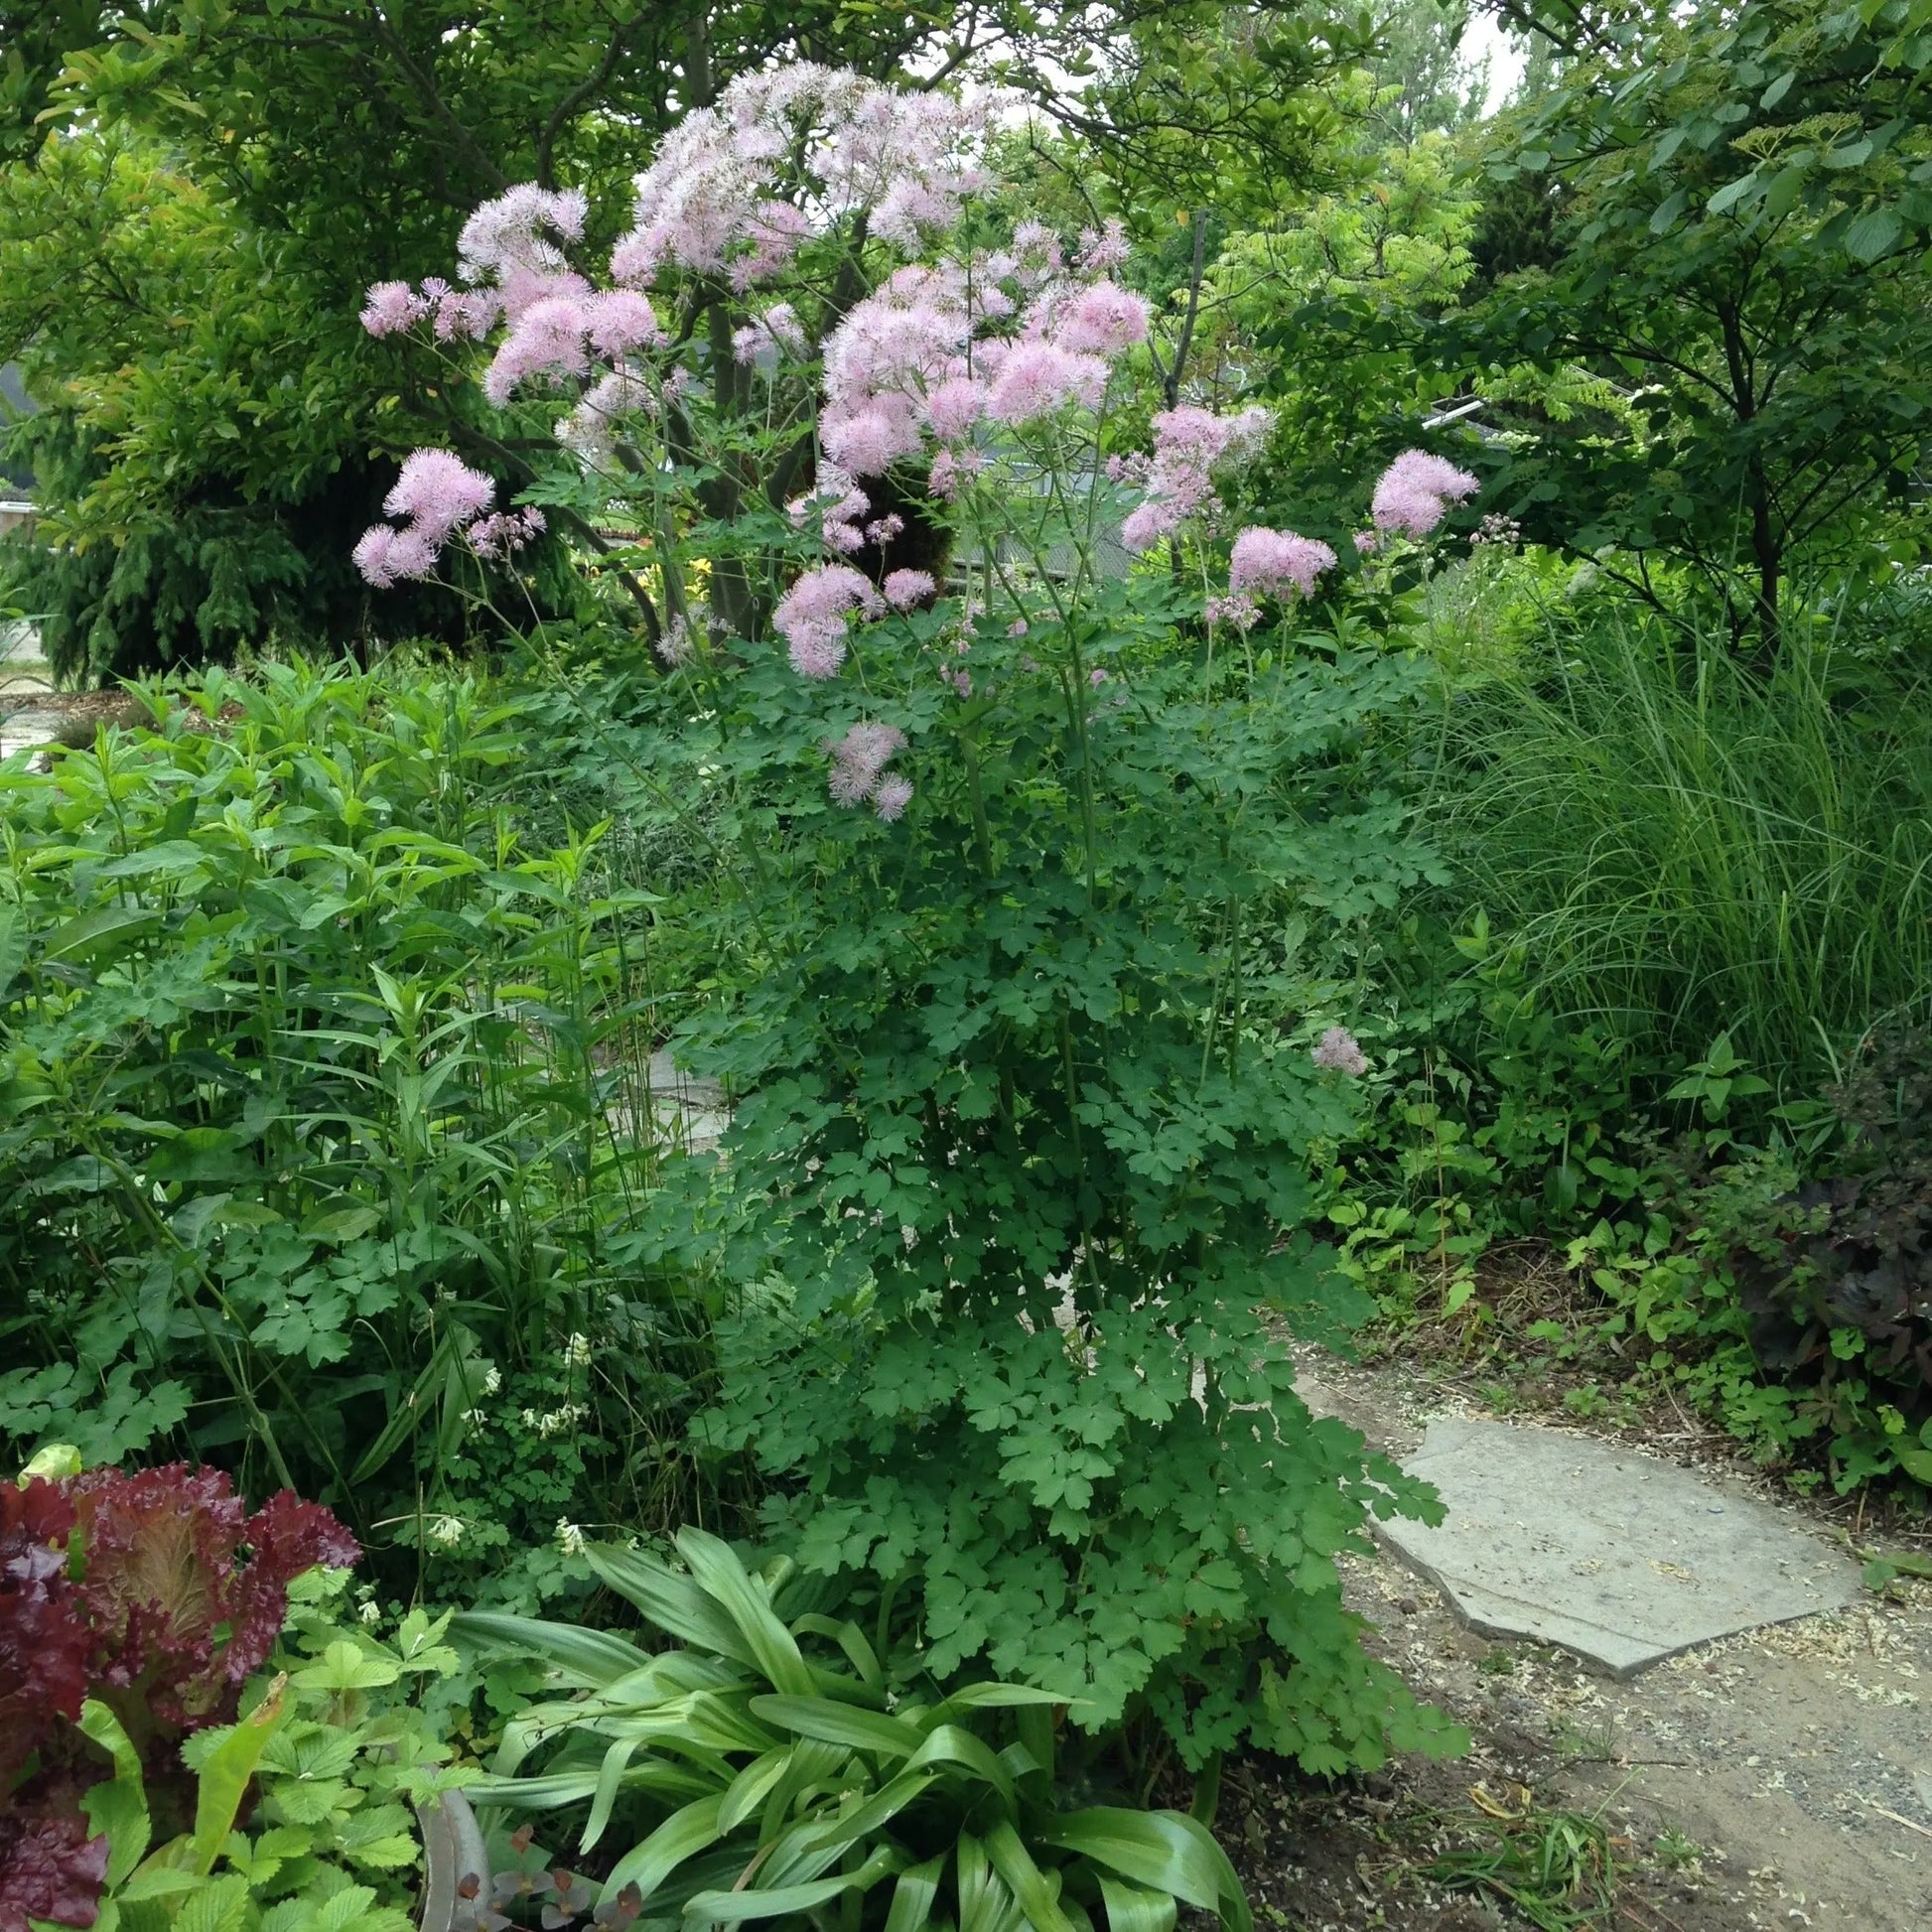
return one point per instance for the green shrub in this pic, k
(325, 1130)
(1800, 1286)
(1020, 1166)
(776, 1765)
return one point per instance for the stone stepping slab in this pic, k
(1615, 1556)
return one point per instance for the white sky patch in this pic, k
(1485, 40)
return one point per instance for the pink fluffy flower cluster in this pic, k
(712, 201)
(1269, 563)
(1415, 492)
(814, 616)
(1339, 1051)
(859, 761)
(510, 254)
(1189, 443)
(438, 496)
(1006, 339)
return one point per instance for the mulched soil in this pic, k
(1352, 1855)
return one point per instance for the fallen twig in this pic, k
(1922, 1830)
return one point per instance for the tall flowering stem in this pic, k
(1014, 842)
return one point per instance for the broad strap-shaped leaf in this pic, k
(832, 1723)
(610, 1779)
(749, 1789)
(985, 1904)
(951, 1745)
(755, 1901)
(409, 1415)
(716, 1568)
(117, 1805)
(673, 1602)
(914, 1896)
(810, 1766)
(682, 1836)
(1035, 1727)
(849, 1638)
(1038, 1896)
(1164, 1850)
(227, 1771)
(595, 1659)
(994, 1696)
(808, 1847)
(554, 1788)
(1134, 1908)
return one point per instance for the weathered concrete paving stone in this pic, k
(1607, 1553)
(690, 1108)
(21, 729)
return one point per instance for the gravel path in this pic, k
(1782, 1777)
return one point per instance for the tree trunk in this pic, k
(1768, 552)
(1768, 555)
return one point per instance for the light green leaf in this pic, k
(673, 1603)
(682, 1836)
(1164, 1850)
(913, 1895)
(732, 1907)
(1872, 233)
(13, 945)
(223, 1905)
(224, 1776)
(616, 1760)
(950, 1744)
(1133, 1909)
(107, 929)
(1028, 1883)
(345, 1666)
(119, 1810)
(749, 1789)
(1668, 211)
(595, 1659)
(1731, 193)
(837, 1724)
(998, 1696)
(985, 1904)
(715, 1566)
(808, 1849)
(849, 1638)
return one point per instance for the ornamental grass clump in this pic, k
(1014, 1199)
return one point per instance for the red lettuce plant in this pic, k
(134, 1590)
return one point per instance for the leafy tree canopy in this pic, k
(1737, 205)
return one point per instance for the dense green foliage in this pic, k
(1743, 198)
(1004, 1076)
(302, 1807)
(314, 1093)
(1663, 1021)
(1686, 848)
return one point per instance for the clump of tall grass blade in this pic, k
(1687, 847)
